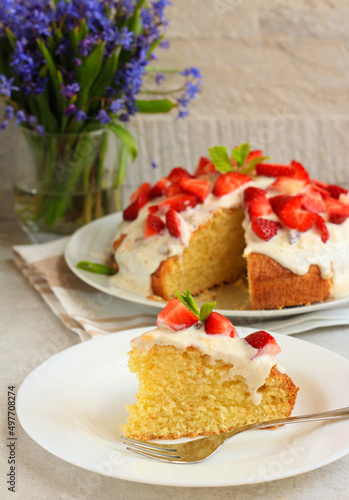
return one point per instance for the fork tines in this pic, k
(152, 450)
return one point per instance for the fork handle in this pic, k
(325, 415)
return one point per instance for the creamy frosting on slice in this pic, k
(234, 351)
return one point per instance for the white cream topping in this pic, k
(234, 351)
(139, 258)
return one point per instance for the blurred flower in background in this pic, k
(76, 67)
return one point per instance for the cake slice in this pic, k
(197, 377)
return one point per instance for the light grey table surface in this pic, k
(30, 334)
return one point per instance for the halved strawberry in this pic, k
(143, 189)
(205, 167)
(215, 323)
(277, 202)
(320, 187)
(344, 198)
(175, 224)
(274, 170)
(178, 173)
(288, 185)
(336, 191)
(153, 225)
(338, 212)
(227, 183)
(292, 215)
(159, 188)
(198, 187)
(176, 316)
(256, 201)
(319, 183)
(257, 153)
(320, 225)
(259, 208)
(264, 228)
(252, 192)
(178, 202)
(312, 200)
(172, 190)
(131, 212)
(264, 342)
(299, 171)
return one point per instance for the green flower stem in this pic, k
(70, 169)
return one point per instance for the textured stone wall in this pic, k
(276, 73)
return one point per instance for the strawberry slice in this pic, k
(277, 202)
(178, 173)
(215, 324)
(338, 212)
(172, 190)
(288, 185)
(319, 183)
(153, 225)
(175, 224)
(198, 187)
(320, 187)
(176, 316)
(205, 167)
(257, 153)
(344, 198)
(259, 208)
(256, 201)
(336, 191)
(143, 189)
(320, 225)
(178, 202)
(252, 192)
(264, 228)
(159, 188)
(292, 215)
(264, 342)
(227, 183)
(274, 170)
(131, 212)
(312, 200)
(299, 171)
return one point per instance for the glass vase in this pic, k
(63, 181)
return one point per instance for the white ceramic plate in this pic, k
(92, 242)
(72, 405)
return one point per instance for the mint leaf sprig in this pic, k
(189, 301)
(93, 267)
(223, 163)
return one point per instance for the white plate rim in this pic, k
(26, 419)
(101, 282)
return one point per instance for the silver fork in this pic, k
(199, 449)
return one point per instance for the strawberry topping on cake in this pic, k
(216, 324)
(264, 342)
(176, 316)
(274, 210)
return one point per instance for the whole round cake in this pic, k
(236, 215)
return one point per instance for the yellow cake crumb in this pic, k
(182, 393)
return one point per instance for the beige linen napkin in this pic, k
(80, 307)
(91, 313)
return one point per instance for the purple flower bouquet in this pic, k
(71, 73)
